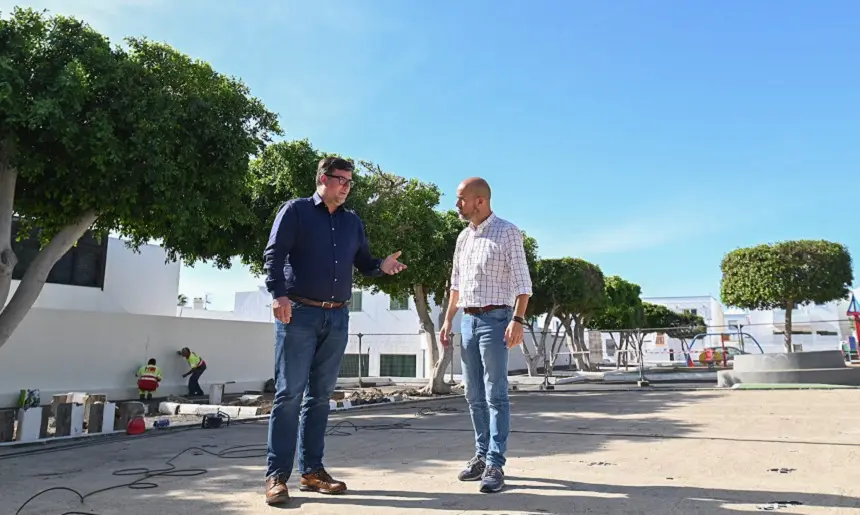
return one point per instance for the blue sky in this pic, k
(648, 137)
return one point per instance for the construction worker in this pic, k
(198, 366)
(148, 379)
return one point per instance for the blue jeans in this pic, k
(484, 354)
(308, 352)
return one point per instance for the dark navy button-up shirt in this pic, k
(311, 252)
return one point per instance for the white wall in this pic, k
(134, 283)
(59, 351)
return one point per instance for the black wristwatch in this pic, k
(519, 320)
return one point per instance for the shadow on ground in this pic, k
(405, 458)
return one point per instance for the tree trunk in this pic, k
(8, 260)
(557, 345)
(532, 362)
(37, 273)
(789, 307)
(572, 344)
(440, 360)
(623, 357)
(580, 342)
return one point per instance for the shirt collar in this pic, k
(318, 201)
(483, 226)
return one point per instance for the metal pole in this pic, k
(360, 382)
(453, 352)
(643, 381)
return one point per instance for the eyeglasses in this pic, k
(343, 181)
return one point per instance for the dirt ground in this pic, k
(597, 452)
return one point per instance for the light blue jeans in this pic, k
(308, 352)
(484, 354)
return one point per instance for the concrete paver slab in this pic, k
(657, 452)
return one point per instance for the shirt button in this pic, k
(335, 280)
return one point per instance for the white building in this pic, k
(386, 331)
(814, 327)
(105, 276)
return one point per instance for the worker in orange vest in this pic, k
(148, 379)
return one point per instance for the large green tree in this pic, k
(621, 313)
(283, 171)
(402, 216)
(142, 141)
(785, 276)
(573, 291)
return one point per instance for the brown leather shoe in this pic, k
(321, 482)
(276, 491)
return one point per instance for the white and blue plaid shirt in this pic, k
(490, 266)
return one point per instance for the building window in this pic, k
(349, 365)
(355, 301)
(82, 265)
(398, 365)
(399, 303)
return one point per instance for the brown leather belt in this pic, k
(316, 303)
(483, 309)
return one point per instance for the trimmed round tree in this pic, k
(786, 275)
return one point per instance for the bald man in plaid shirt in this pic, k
(490, 281)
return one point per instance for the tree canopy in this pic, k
(142, 141)
(402, 216)
(573, 284)
(786, 275)
(622, 310)
(658, 317)
(685, 326)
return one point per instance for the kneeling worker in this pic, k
(148, 379)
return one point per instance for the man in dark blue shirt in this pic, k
(313, 246)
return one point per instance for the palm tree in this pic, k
(182, 300)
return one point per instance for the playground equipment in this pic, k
(689, 349)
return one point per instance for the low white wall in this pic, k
(58, 351)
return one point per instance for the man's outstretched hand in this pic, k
(391, 266)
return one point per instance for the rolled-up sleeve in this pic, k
(515, 254)
(281, 240)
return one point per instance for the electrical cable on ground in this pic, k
(342, 428)
(348, 428)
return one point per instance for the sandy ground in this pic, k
(600, 452)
